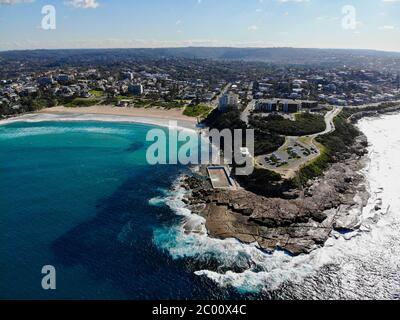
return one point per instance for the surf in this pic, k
(355, 257)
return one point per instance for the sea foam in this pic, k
(365, 258)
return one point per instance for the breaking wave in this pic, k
(359, 265)
(78, 117)
(37, 131)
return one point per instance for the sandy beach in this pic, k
(154, 116)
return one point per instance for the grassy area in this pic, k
(305, 140)
(97, 93)
(82, 102)
(347, 112)
(201, 110)
(142, 103)
(169, 104)
(312, 170)
(262, 181)
(266, 142)
(332, 146)
(120, 97)
(305, 124)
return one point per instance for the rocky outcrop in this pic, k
(298, 225)
(372, 113)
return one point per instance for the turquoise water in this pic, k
(80, 196)
(76, 195)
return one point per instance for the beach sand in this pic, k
(143, 115)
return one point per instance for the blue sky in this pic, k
(170, 23)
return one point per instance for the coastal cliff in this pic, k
(297, 224)
(297, 216)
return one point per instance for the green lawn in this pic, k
(82, 102)
(97, 93)
(169, 105)
(201, 110)
(305, 124)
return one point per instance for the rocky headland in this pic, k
(297, 224)
(373, 113)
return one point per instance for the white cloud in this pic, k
(84, 4)
(11, 2)
(387, 27)
(252, 28)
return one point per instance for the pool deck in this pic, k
(219, 177)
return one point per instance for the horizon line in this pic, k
(199, 47)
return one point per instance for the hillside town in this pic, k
(179, 82)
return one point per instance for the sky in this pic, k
(359, 24)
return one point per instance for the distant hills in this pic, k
(269, 55)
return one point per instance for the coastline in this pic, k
(157, 117)
(329, 205)
(276, 263)
(373, 113)
(249, 218)
(333, 202)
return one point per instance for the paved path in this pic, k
(215, 102)
(288, 171)
(329, 117)
(246, 113)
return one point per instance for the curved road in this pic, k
(290, 170)
(329, 117)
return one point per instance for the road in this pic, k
(308, 142)
(214, 103)
(246, 113)
(329, 117)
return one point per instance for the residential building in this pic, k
(279, 105)
(228, 101)
(136, 89)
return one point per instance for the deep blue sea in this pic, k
(80, 196)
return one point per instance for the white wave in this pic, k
(157, 201)
(37, 131)
(190, 240)
(76, 117)
(367, 260)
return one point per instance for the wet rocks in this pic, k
(297, 224)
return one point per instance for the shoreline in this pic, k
(331, 205)
(156, 117)
(296, 226)
(297, 229)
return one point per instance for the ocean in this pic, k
(80, 196)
